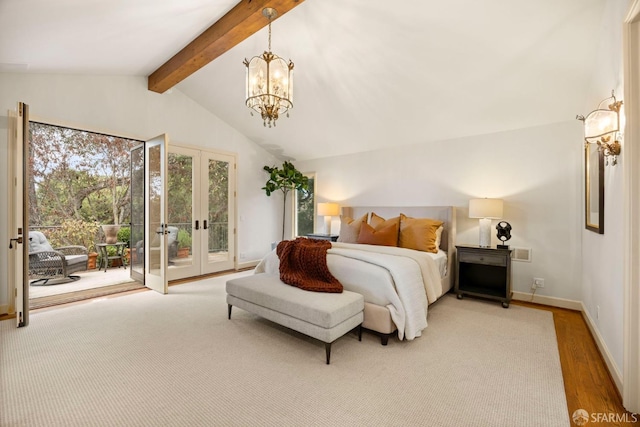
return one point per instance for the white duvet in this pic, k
(403, 280)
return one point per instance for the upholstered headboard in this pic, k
(446, 214)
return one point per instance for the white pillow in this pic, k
(350, 228)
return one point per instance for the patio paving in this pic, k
(88, 280)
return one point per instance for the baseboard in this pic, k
(550, 301)
(604, 350)
(246, 265)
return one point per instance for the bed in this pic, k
(398, 284)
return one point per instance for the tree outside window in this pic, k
(305, 208)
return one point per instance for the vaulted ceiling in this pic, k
(369, 74)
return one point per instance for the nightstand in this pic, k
(484, 272)
(321, 236)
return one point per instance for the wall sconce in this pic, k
(328, 210)
(601, 126)
(485, 210)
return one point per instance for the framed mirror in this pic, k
(594, 188)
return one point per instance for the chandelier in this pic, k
(269, 82)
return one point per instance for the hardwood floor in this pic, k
(587, 383)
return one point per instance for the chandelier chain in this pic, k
(269, 34)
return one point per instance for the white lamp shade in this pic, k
(328, 209)
(485, 208)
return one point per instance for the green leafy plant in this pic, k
(284, 179)
(184, 239)
(124, 235)
(75, 232)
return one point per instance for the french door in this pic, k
(156, 229)
(19, 213)
(201, 212)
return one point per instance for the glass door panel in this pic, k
(156, 254)
(184, 226)
(137, 213)
(219, 245)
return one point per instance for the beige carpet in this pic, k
(175, 360)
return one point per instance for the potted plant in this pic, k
(284, 179)
(184, 243)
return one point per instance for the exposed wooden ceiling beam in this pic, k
(238, 24)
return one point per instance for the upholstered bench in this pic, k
(320, 315)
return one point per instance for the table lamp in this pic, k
(328, 210)
(485, 210)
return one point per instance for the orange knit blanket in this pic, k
(303, 263)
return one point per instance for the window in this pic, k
(305, 208)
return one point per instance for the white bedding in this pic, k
(403, 280)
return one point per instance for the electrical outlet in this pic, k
(538, 282)
(243, 255)
(597, 312)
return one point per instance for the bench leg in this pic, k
(360, 332)
(327, 348)
(229, 310)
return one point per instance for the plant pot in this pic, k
(110, 233)
(183, 252)
(91, 265)
(127, 255)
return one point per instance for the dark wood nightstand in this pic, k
(320, 236)
(484, 272)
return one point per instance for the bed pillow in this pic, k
(376, 221)
(419, 233)
(384, 236)
(350, 228)
(439, 236)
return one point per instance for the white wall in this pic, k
(537, 171)
(602, 265)
(123, 106)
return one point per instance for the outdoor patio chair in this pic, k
(46, 263)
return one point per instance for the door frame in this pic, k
(18, 262)
(631, 185)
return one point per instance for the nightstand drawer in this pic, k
(480, 258)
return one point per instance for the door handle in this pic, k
(197, 225)
(163, 229)
(18, 240)
(205, 224)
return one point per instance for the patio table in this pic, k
(104, 254)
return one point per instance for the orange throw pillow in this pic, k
(419, 233)
(378, 222)
(386, 236)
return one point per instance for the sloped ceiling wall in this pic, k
(369, 74)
